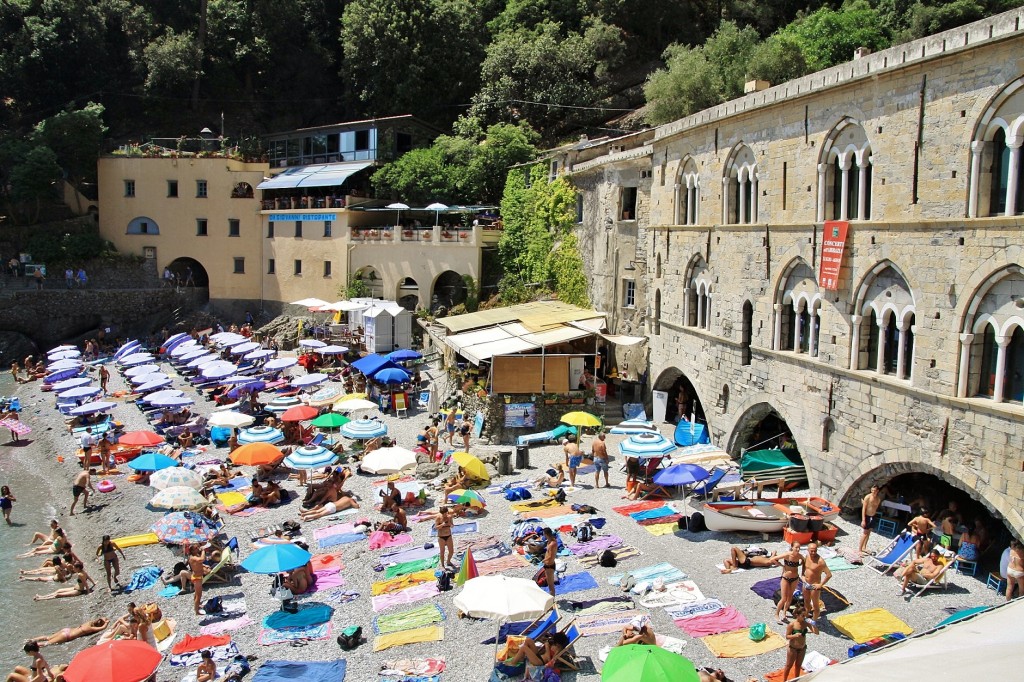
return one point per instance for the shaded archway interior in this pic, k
(683, 401)
(762, 428)
(449, 290)
(183, 268)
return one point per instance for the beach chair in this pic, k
(317, 439)
(939, 581)
(223, 570)
(889, 558)
(567, 656)
(423, 401)
(401, 409)
(647, 485)
(536, 629)
(708, 484)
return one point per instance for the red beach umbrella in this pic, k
(144, 438)
(122, 660)
(299, 413)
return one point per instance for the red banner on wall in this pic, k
(833, 244)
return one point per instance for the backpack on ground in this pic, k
(351, 637)
(444, 580)
(516, 494)
(584, 509)
(607, 559)
(583, 531)
(214, 605)
(560, 496)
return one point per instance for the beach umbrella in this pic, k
(136, 359)
(647, 663)
(283, 403)
(119, 660)
(324, 396)
(230, 419)
(60, 349)
(364, 429)
(154, 385)
(310, 380)
(437, 207)
(203, 359)
(260, 434)
(143, 438)
(331, 420)
(311, 457)
(174, 339)
(177, 528)
(65, 355)
(403, 355)
(473, 466)
(218, 370)
(231, 339)
(399, 207)
(254, 385)
(500, 597)
(185, 348)
(237, 379)
(312, 343)
(388, 461)
(222, 335)
(276, 558)
(171, 477)
(180, 497)
(299, 413)
(469, 498)
(370, 364)
(168, 393)
(584, 419)
(195, 354)
(962, 614)
(352, 396)
(176, 401)
(256, 454)
(468, 570)
(126, 349)
(68, 384)
(79, 392)
(152, 461)
(141, 370)
(643, 445)
(390, 375)
(310, 302)
(280, 363)
(63, 364)
(94, 407)
(681, 474)
(353, 405)
(333, 350)
(146, 378)
(243, 348)
(259, 354)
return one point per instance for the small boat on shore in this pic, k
(121, 453)
(811, 505)
(758, 516)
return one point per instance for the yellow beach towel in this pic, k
(661, 528)
(432, 633)
(864, 626)
(400, 583)
(737, 644)
(533, 505)
(231, 499)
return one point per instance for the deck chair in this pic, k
(423, 401)
(223, 571)
(939, 581)
(889, 558)
(647, 485)
(567, 656)
(536, 629)
(316, 440)
(709, 484)
(401, 409)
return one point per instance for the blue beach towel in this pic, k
(576, 582)
(308, 671)
(143, 579)
(170, 591)
(656, 513)
(458, 528)
(307, 615)
(341, 539)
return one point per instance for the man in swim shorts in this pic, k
(868, 515)
(600, 451)
(573, 457)
(82, 485)
(815, 574)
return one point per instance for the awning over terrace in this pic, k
(321, 175)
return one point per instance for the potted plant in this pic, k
(385, 234)
(407, 234)
(550, 399)
(463, 235)
(357, 233)
(445, 234)
(589, 395)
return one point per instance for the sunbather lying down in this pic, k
(552, 478)
(748, 558)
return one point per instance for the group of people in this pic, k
(60, 565)
(73, 278)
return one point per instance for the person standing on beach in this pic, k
(550, 552)
(82, 485)
(868, 510)
(573, 458)
(87, 441)
(7, 500)
(104, 378)
(108, 550)
(443, 526)
(600, 452)
(197, 566)
(815, 574)
(449, 427)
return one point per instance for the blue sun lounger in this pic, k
(557, 433)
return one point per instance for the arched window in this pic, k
(739, 187)
(997, 174)
(687, 200)
(883, 328)
(798, 310)
(992, 340)
(697, 294)
(844, 174)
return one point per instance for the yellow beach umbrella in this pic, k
(473, 466)
(584, 419)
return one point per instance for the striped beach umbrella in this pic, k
(468, 570)
(364, 429)
(179, 497)
(260, 434)
(280, 363)
(283, 403)
(68, 384)
(311, 457)
(94, 407)
(126, 348)
(139, 370)
(646, 445)
(79, 392)
(325, 396)
(171, 477)
(310, 380)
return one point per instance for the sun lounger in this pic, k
(567, 656)
(888, 559)
(560, 431)
(706, 486)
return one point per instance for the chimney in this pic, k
(755, 86)
(861, 52)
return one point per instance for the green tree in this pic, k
(76, 137)
(172, 61)
(29, 174)
(777, 60)
(828, 37)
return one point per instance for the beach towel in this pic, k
(723, 620)
(326, 580)
(661, 520)
(233, 605)
(501, 564)
(866, 625)
(381, 540)
(341, 539)
(660, 529)
(670, 644)
(309, 614)
(596, 546)
(343, 513)
(169, 591)
(410, 554)
(604, 624)
(414, 566)
(307, 671)
(766, 588)
(402, 582)
(419, 617)
(549, 512)
(839, 563)
(577, 582)
(231, 499)
(404, 667)
(228, 625)
(219, 653)
(655, 513)
(432, 633)
(143, 578)
(334, 529)
(704, 607)
(234, 485)
(628, 509)
(682, 593)
(327, 562)
(457, 529)
(646, 576)
(486, 553)
(533, 505)
(286, 635)
(189, 644)
(409, 595)
(737, 644)
(341, 596)
(593, 607)
(621, 553)
(476, 544)
(566, 521)
(241, 512)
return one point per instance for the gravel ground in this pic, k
(123, 513)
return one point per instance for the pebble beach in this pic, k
(123, 512)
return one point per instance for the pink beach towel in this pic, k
(326, 580)
(407, 596)
(723, 620)
(336, 529)
(501, 564)
(380, 539)
(223, 626)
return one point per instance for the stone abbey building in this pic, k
(709, 234)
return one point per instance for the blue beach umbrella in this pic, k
(276, 558)
(364, 429)
(126, 348)
(403, 355)
(152, 461)
(390, 375)
(310, 457)
(94, 407)
(61, 373)
(260, 434)
(681, 474)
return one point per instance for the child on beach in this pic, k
(7, 500)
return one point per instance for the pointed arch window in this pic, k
(845, 174)
(997, 168)
(739, 191)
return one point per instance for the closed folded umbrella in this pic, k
(500, 597)
(390, 375)
(230, 419)
(647, 663)
(331, 420)
(95, 407)
(68, 384)
(580, 419)
(180, 497)
(388, 461)
(260, 434)
(299, 413)
(177, 528)
(144, 438)
(80, 392)
(280, 363)
(256, 454)
(176, 476)
(309, 380)
(152, 461)
(310, 457)
(364, 429)
(473, 466)
(353, 405)
(646, 445)
(276, 558)
(119, 660)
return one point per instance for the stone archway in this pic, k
(761, 427)
(449, 291)
(673, 381)
(408, 294)
(189, 272)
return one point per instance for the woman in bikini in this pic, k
(7, 500)
(58, 545)
(443, 524)
(796, 633)
(791, 563)
(83, 585)
(57, 572)
(67, 634)
(108, 550)
(1015, 569)
(197, 567)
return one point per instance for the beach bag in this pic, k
(237, 669)
(696, 524)
(560, 496)
(162, 630)
(758, 631)
(444, 581)
(541, 578)
(584, 532)
(584, 509)
(351, 637)
(279, 591)
(214, 605)
(291, 527)
(607, 559)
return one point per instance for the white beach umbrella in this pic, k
(61, 349)
(203, 359)
(160, 395)
(388, 460)
(231, 419)
(184, 348)
(79, 392)
(71, 383)
(62, 364)
(65, 355)
(437, 207)
(332, 350)
(355, 404)
(93, 408)
(139, 370)
(154, 385)
(312, 343)
(259, 354)
(310, 380)
(280, 363)
(146, 378)
(243, 348)
(499, 597)
(136, 359)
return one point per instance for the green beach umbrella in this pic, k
(646, 663)
(330, 420)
